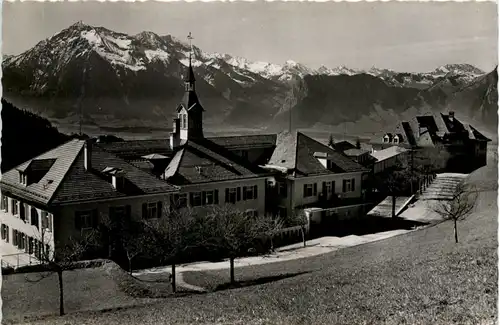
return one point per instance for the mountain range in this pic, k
(111, 78)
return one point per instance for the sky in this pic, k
(396, 35)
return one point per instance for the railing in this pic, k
(18, 259)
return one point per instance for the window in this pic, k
(23, 211)
(210, 197)
(5, 232)
(252, 213)
(329, 164)
(30, 245)
(34, 217)
(15, 207)
(348, 185)
(180, 200)
(23, 178)
(46, 221)
(328, 187)
(151, 210)
(250, 192)
(184, 121)
(396, 139)
(310, 190)
(195, 198)
(233, 194)
(85, 219)
(243, 154)
(5, 203)
(386, 139)
(21, 240)
(282, 189)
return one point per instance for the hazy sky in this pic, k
(397, 35)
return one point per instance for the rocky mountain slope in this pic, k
(108, 76)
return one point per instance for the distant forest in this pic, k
(25, 135)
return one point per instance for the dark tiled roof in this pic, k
(136, 149)
(201, 161)
(190, 102)
(296, 152)
(80, 184)
(246, 141)
(344, 145)
(67, 179)
(355, 152)
(43, 191)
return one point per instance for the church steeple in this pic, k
(189, 121)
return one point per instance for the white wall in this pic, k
(258, 204)
(14, 222)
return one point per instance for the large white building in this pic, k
(63, 193)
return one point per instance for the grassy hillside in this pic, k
(419, 278)
(25, 135)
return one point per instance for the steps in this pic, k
(384, 208)
(442, 187)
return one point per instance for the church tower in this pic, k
(189, 112)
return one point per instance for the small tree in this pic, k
(460, 206)
(331, 141)
(130, 236)
(394, 182)
(174, 236)
(235, 232)
(301, 220)
(63, 259)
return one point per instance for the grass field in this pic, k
(419, 278)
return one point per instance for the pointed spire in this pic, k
(190, 79)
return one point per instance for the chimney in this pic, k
(451, 115)
(87, 154)
(175, 135)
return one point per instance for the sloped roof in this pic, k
(44, 190)
(246, 141)
(81, 184)
(475, 134)
(344, 145)
(154, 156)
(285, 153)
(67, 179)
(137, 149)
(296, 152)
(201, 161)
(190, 102)
(384, 154)
(355, 152)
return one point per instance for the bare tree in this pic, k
(173, 236)
(394, 182)
(130, 236)
(63, 259)
(300, 219)
(235, 232)
(459, 207)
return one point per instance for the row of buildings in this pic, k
(64, 192)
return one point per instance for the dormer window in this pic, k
(23, 178)
(386, 138)
(117, 176)
(396, 139)
(184, 121)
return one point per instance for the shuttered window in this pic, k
(86, 219)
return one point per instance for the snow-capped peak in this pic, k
(461, 68)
